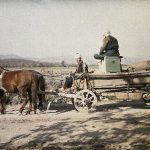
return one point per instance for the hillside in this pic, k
(10, 62)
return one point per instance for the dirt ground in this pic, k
(119, 125)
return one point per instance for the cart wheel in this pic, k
(146, 98)
(85, 100)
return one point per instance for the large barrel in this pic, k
(143, 65)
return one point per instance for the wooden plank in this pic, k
(116, 79)
(48, 92)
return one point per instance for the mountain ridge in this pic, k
(69, 59)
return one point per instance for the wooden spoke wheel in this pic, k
(146, 98)
(85, 100)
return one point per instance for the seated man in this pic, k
(81, 66)
(109, 46)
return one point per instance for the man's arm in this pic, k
(103, 47)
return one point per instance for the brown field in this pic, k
(114, 125)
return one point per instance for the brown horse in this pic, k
(27, 83)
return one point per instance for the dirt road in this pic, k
(121, 125)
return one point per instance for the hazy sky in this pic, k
(43, 28)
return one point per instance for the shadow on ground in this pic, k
(132, 104)
(44, 137)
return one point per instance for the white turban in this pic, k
(77, 55)
(106, 33)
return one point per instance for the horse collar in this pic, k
(1, 75)
(1, 82)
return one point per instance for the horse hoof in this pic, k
(21, 111)
(28, 112)
(40, 107)
(2, 112)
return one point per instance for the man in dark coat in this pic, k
(79, 61)
(79, 69)
(109, 46)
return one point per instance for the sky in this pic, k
(53, 28)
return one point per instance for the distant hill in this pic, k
(10, 56)
(69, 59)
(15, 60)
(25, 63)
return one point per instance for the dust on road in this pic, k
(119, 125)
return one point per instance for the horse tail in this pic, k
(41, 89)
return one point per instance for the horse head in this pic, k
(2, 70)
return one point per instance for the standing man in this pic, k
(110, 46)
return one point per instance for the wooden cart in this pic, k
(88, 88)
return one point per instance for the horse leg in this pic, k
(34, 96)
(40, 105)
(2, 102)
(41, 97)
(30, 107)
(23, 105)
(2, 106)
(24, 94)
(30, 102)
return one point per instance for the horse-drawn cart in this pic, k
(108, 80)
